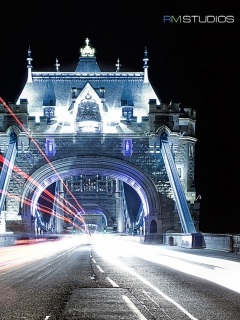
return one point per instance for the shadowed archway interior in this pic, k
(88, 165)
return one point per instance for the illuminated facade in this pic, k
(100, 131)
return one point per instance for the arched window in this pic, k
(153, 226)
(13, 137)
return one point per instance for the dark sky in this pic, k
(196, 64)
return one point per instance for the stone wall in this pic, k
(146, 154)
(72, 145)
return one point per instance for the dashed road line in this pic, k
(112, 282)
(156, 304)
(100, 269)
(133, 308)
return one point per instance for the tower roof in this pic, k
(116, 89)
(87, 60)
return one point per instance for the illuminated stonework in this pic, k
(107, 128)
(88, 111)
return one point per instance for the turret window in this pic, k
(127, 113)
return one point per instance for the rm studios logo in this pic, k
(198, 19)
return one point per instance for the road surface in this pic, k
(100, 277)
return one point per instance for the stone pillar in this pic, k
(119, 209)
(3, 222)
(146, 225)
(59, 211)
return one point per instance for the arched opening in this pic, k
(103, 166)
(12, 137)
(153, 226)
(94, 219)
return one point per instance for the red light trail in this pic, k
(26, 176)
(38, 147)
(28, 201)
(42, 208)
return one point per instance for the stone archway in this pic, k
(106, 166)
(97, 216)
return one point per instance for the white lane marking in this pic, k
(93, 260)
(133, 308)
(45, 273)
(150, 298)
(160, 293)
(162, 310)
(113, 260)
(112, 282)
(127, 269)
(99, 268)
(47, 317)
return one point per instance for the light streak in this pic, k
(42, 196)
(223, 272)
(43, 154)
(20, 181)
(42, 208)
(28, 177)
(111, 254)
(18, 255)
(69, 203)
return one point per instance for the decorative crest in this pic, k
(87, 51)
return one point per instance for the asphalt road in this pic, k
(102, 278)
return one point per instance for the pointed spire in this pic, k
(29, 66)
(87, 51)
(57, 65)
(145, 66)
(118, 65)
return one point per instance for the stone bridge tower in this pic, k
(74, 140)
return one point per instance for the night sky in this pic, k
(196, 64)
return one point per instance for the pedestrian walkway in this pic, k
(205, 253)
